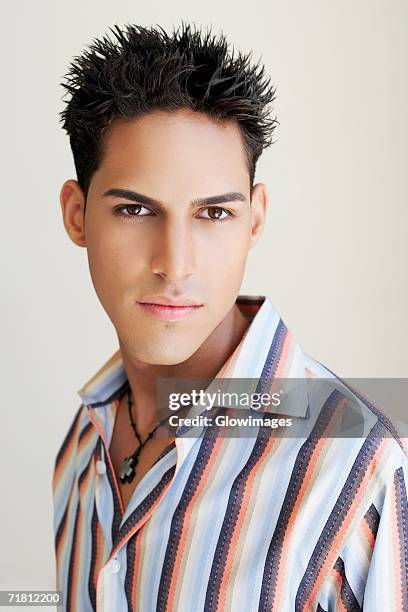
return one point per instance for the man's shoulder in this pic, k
(370, 419)
(78, 424)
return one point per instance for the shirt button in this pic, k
(115, 566)
(101, 467)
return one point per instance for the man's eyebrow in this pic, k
(128, 194)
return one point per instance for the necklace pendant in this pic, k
(127, 469)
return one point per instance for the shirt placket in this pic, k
(111, 512)
(108, 502)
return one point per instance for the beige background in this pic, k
(333, 257)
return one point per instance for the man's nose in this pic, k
(174, 255)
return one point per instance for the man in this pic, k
(165, 132)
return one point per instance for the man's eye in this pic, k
(131, 210)
(216, 213)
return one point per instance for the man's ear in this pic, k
(259, 205)
(72, 202)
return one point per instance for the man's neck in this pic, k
(205, 362)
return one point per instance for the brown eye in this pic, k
(215, 212)
(131, 210)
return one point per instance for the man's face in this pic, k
(138, 249)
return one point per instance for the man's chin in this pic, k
(159, 351)
(167, 360)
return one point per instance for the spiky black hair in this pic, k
(145, 69)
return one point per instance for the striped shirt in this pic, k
(312, 522)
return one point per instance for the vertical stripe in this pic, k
(189, 522)
(130, 572)
(68, 441)
(306, 461)
(197, 473)
(340, 515)
(71, 594)
(347, 599)
(96, 556)
(400, 532)
(221, 562)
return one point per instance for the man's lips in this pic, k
(165, 300)
(169, 312)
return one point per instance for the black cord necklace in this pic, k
(127, 468)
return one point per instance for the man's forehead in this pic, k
(200, 165)
(186, 130)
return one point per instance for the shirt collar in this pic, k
(267, 351)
